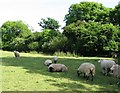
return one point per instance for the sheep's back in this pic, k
(107, 63)
(47, 62)
(86, 67)
(58, 67)
(64, 68)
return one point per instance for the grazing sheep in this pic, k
(57, 68)
(47, 62)
(16, 53)
(116, 72)
(86, 68)
(106, 65)
(55, 59)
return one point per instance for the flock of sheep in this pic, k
(87, 68)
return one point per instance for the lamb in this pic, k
(86, 68)
(16, 53)
(116, 72)
(57, 68)
(55, 59)
(106, 65)
(48, 62)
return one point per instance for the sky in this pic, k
(31, 11)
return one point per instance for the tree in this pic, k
(34, 42)
(11, 30)
(58, 43)
(115, 15)
(18, 44)
(87, 11)
(49, 23)
(92, 38)
(34, 46)
(47, 36)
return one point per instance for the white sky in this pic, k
(31, 11)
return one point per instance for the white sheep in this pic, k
(55, 59)
(116, 72)
(106, 65)
(57, 68)
(86, 69)
(48, 62)
(16, 53)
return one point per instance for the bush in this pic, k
(33, 46)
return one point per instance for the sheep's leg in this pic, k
(103, 71)
(108, 70)
(84, 75)
(118, 83)
(78, 73)
(91, 72)
(87, 77)
(92, 78)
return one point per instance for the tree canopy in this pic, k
(115, 15)
(87, 11)
(97, 38)
(49, 23)
(12, 32)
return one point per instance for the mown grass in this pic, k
(28, 73)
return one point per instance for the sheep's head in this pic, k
(114, 67)
(55, 58)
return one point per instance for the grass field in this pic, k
(28, 73)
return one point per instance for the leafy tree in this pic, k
(111, 34)
(33, 46)
(92, 38)
(115, 15)
(49, 23)
(11, 30)
(18, 44)
(58, 43)
(36, 39)
(87, 11)
(47, 36)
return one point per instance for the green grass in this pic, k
(28, 73)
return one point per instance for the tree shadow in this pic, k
(36, 65)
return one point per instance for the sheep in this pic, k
(116, 72)
(47, 62)
(106, 65)
(57, 68)
(86, 68)
(55, 59)
(16, 53)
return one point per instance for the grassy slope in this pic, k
(28, 73)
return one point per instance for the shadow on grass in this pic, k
(36, 65)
